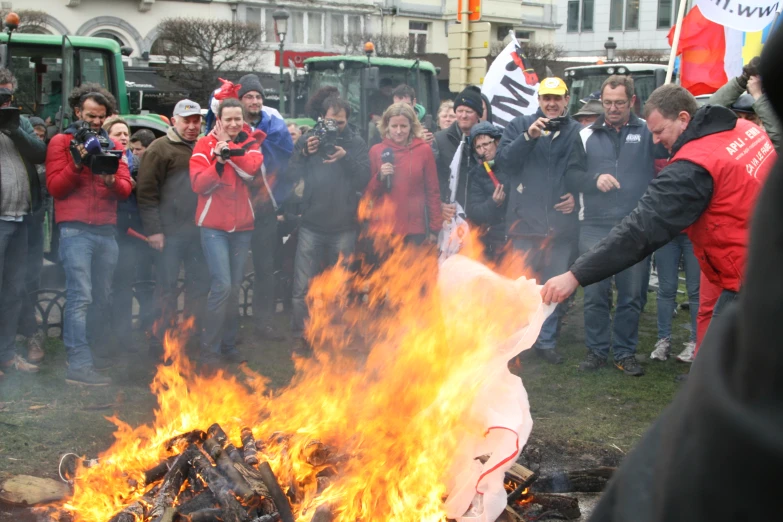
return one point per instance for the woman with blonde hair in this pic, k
(446, 115)
(404, 179)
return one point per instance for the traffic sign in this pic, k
(474, 6)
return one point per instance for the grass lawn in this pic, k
(580, 419)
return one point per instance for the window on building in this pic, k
(296, 29)
(315, 28)
(587, 15)
(632, 15)
(270, 31)
(417, 37)
(304, 28)
(110, 36)
(667, 13)
(616, 15)
(346, 27)
(572, 25)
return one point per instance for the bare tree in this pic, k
(198, 50)
(640, 56)
(386, 45)
(539, 55)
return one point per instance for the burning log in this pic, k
(191, 437)
(138, 509)
(204, 500)
(217, 433)
(323, 513)
(249, 447)
(153, 475)
(272, 517)
(232, 509)
(172, 483)
(276, 492)
(202, 515)
(226, 467)
(584, 480)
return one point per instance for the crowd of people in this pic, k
(586, 198)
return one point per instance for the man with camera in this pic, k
(167, 205)
(86, 177)
(268, 192)
(540, 217)
(333, 160)
(20, 196)
(611, 166)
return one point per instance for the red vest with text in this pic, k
(738, 161)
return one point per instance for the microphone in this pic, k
(388, 157)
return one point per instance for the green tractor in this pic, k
(48, 67)
(366, 83)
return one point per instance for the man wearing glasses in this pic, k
(540, 217)
(611, 167)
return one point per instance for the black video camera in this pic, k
(226, 153)
(553, 125)
(99, 159)
(326, 131)
(9, 119)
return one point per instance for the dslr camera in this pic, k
(326, 131)
(553, 125)
(9, 116)
(100, 159)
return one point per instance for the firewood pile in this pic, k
(208, 478)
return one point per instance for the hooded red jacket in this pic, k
(80, 195)
(223, 194)
(414, 189)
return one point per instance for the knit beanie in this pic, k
(250, 82)
(470, 98)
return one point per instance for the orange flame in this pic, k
(388, 388)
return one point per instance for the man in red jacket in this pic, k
(85, 206)
(708, 189)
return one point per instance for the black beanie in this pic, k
(250, 82)
(470, 98)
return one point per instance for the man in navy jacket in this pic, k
(611, 167)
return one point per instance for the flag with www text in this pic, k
(510, 85)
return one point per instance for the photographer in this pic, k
(223, 164)
(20, 197)
(86, 181)
(333, 161)
(540, 217)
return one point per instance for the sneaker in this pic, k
(662, 350)
(592, 362)
(687, 354)
(35, 353)
(551, 356)
(232, 355)
(86, 377)
(630, 366)
(20, 365)
(102, 364)
(269, 333)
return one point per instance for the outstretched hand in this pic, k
(559, 288)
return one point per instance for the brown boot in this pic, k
(35, 353)
(21, 365)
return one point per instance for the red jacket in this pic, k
(223, 194)
(414, 189)
(78, 194)
(738, 161)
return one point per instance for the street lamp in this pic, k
(281, 24)
(610, 45)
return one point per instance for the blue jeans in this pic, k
(28, 325)
(13, 254)
(88, 260)
(726, 298)
(667, 260)
(547, 258)
(601, 332)
(315, 251)
(226, 254)
(182, 248)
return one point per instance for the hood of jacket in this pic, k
(710, 119)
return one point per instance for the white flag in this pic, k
(511, 86)
(456, 231)
(743, 15)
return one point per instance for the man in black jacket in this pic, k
(540, 217)
(333, 182)
(611, 168)
(468, 107)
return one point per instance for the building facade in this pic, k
(634, 24)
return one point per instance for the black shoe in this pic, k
(592, 362)
(630, 366)
(232, 355)
(102, 364)
(86, 377)
(551, 356)
(269, 333)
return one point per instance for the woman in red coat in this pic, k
(224, 162)
(404, 182)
